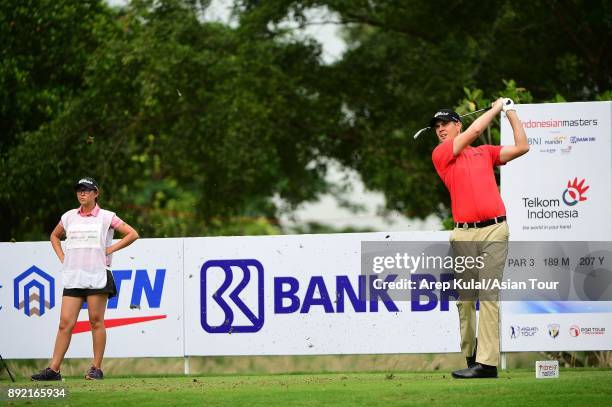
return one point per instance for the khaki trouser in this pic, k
(491, 243)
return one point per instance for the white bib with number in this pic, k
(84, 236)
(87, 238)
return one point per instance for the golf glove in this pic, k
(507, 105)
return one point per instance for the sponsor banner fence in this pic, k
(295, 295)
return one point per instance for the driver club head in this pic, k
(418, 133)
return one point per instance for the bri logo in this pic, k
(232, 295)
(574, 192)
(218, 315)
(34, 292)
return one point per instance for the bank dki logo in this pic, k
(34, 292)
(553, 330)
(574, 192)
(218, 315)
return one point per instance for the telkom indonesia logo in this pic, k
(575, 192)
(34, 291)
(216, 281)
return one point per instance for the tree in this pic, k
(192, 127)
(173, 109)
(406, 59)
(45, 47)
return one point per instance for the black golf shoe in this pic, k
(47, 374)
(478, 371)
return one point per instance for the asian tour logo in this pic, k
(574, 192)
(34, 292)
(525, 331)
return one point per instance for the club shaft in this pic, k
(474, 112)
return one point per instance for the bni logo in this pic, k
(34, 291)
(223, 280)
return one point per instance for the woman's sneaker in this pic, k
(94, 374)
(46, 375)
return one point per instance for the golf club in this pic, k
(463, 115)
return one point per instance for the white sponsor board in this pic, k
(145, 319)
(562, 188)
(560, 191)
(296, 299)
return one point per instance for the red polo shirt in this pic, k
(470, 180)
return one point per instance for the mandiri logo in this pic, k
(574, 192)
(34, 292)
(218, 315)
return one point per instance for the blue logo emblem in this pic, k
(34, 291)
(211, 319)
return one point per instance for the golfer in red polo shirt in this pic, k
(480, 223)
